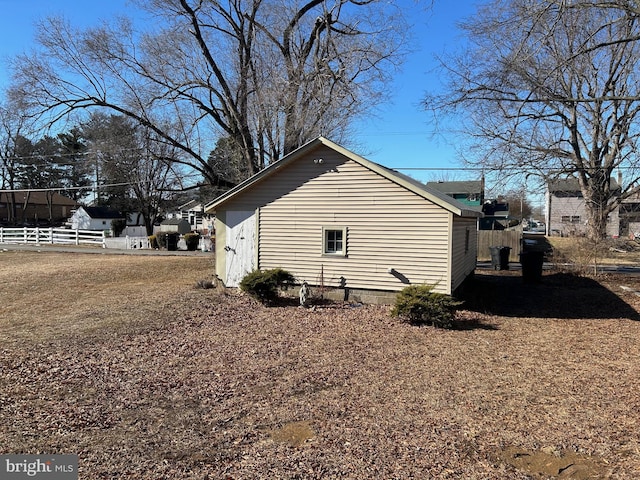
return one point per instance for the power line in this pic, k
(57, 189)
(441, 168)
(53, 156)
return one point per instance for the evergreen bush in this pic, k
(419, 304)
(264, 285)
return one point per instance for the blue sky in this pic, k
(398, 136)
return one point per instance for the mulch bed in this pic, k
(535, 381)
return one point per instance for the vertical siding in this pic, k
(388, 227)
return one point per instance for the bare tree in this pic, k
(268, 74)
(17, 152)
(551, 88)
(130, 158)
(13, 127)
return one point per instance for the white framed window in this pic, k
(334, 241)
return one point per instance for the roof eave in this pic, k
(262, 174)
(440, 199)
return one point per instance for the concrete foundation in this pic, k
(374, 297)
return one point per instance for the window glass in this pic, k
(334, 241)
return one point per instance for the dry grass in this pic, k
(71, 294)
(122, 361)
(584, 253)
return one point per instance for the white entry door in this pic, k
(240, 247)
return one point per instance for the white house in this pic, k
(94, 218)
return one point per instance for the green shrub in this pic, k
(419, 304)
(264, 285)
(192, 239)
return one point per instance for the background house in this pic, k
(192, 211)
(94, 218)
(35, 208)
(566, 214)
(471, 193)
(629, 214)
(135, 225)
(335, 219)
(174, 225)
(497, 216)
(468, 192)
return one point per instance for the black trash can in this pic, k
(500, 257)
(172, 241)
(532, 266)
(504, 257)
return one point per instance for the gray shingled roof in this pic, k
(571, 184)
(102, 212)
(465, 187)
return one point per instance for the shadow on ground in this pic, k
(471, 324)
(557, 295)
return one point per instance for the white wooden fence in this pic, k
(52, 236)
(128, 243)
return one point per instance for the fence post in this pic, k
(77, 237)
(51, 235)
(37, 235)
(25, 235)
(104, 240)
(1, 235)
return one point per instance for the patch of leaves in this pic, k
(219, 386)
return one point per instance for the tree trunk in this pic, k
(597, 226)
(597, 214)
(11, 210)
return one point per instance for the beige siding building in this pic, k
(335, 219)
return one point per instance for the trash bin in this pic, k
(500, 257)
(532, 266)
(172, 241)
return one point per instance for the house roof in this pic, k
(462, 187)
(102, 212)
(411, 184)
(39, 198)
(190, 206)
(571, 184)
(174, 221)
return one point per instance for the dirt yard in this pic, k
(122, 361)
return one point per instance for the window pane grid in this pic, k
(334, 241)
